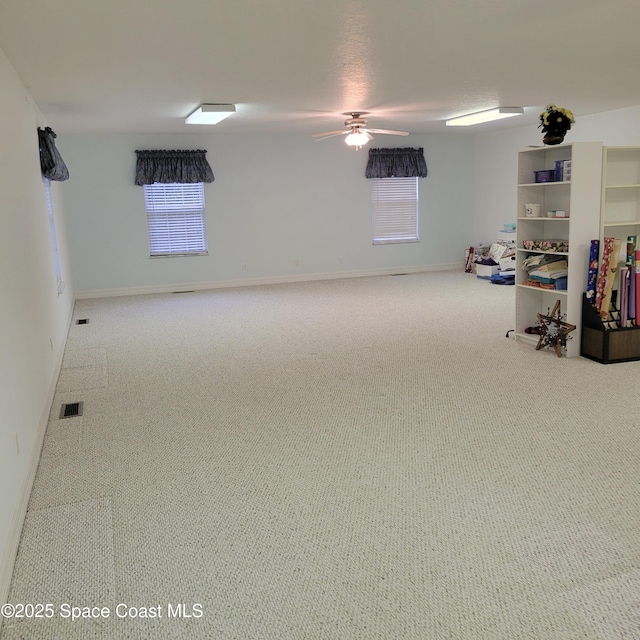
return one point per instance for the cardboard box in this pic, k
(486, 270)
(548, 175)
(507, 264)
(507, 236)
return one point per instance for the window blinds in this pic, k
(175, 215)
(395, 210)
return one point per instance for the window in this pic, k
(395, 210)
(54, 239)
(175, 217)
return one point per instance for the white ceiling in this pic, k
(294, 66)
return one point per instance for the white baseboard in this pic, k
(252, 282)
(10, 550)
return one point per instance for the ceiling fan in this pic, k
(357, 132)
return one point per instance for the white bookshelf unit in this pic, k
(620, 193)
(620, 218)
(580, 198)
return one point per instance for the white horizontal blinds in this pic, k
(395, 210)
(52, 228)
(175, 216)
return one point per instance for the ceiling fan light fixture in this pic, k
(210, 113)
(357, 138)
(485, 116)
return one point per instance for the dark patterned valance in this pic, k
(186, 167)
(51, 163)
(396, 163)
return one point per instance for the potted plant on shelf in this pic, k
(555, 122)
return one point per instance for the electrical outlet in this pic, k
(244, 266)
(17, 445)
(297, 262)
(339, 260)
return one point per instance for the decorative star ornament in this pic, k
(554, 331)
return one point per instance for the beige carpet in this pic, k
(350, 459)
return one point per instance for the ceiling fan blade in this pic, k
(328, 134)
(389, 132)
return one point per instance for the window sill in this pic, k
(179, 255)
(396, 241)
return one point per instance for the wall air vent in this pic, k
(71, 410)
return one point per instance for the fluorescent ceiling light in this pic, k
(210, 113)
(485, 116)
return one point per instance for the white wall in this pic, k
(275, 199)
(33, 318)
(496, 162)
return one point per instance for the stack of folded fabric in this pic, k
(546, 271)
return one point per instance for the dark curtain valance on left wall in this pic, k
(185, 167)
(396, 163)
(51, 162)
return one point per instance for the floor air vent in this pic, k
(71, 410)
(82, 321)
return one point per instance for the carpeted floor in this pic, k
(349, 459)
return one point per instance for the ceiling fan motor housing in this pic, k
(355, 122)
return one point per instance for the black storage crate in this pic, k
(607, 346)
